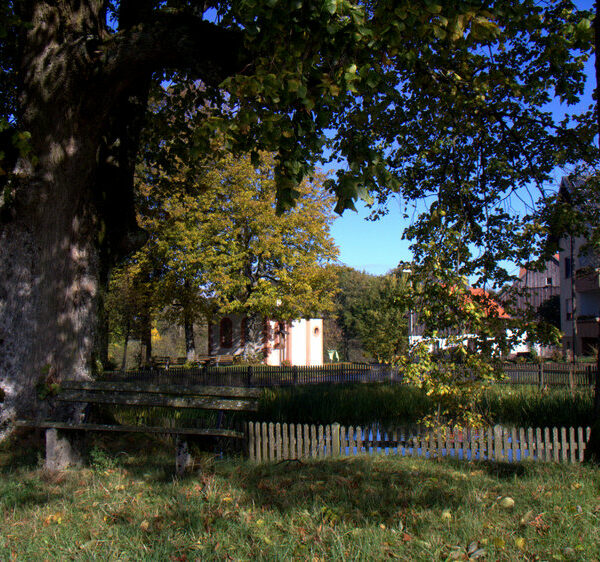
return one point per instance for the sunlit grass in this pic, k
(128, 506)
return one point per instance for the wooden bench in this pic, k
(214, 360)
(160, 361)
(62, 447)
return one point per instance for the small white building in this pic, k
(299, 342)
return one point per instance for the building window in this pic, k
(549, 281)
(316, 331)
(226, 333)
(568, 267)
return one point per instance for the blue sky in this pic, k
(377, 246)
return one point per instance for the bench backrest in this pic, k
(160, 395)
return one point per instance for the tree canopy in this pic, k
(426, 99)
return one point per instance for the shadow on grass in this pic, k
(357, 491)
(23, 450)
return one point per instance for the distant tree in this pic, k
(382, 318)
(352, 288)
(217, 245)
(549, 311)
(371, 314)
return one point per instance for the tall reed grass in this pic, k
(400, 404)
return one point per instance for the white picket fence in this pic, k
(276, 442)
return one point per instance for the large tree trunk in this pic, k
(48, 236)
(125, 344)
(190, 344)
(188, 321)
(67, 212)
(253, 337)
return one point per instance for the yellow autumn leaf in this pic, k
(520, 543)
(499, 542)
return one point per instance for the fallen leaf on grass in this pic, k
(527, 517)
(144, 525)
(53, 518)
(539, 524)
(520, 543)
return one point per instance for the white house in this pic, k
(299, 342)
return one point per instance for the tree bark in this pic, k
(190, 344)
(125, 344)
(146, 341)
(65, 215)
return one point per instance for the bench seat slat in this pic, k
(131, 428)
(178, 390)
(158, 400)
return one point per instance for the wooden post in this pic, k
(541, 375)
(249, 375)
(293, 450)
(183, 459)
(295, 374)
(271, 442)
(497, 443)
(572, 375)
(251, 441)
(306, 441)
(335, 439)
(286, 442)
(264, 442)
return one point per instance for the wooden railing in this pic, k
(262, 375)
(551, 374)
(276, 442)
(541, 375)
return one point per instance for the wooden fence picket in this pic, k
(275, 442)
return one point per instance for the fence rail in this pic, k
(276, 442)
(550, 374)
(262, 375)
(542, 375)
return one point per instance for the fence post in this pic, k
(335, 439)
(497, 443)
(295, 374)
(249, 374)
(572, 377)
(541, 375)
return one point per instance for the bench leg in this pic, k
(63, 449)
(183, 459)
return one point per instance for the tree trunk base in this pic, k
(64, 449)
(183, 459)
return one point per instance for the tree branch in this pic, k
(172, 41)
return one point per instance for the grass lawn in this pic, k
(128, 506)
